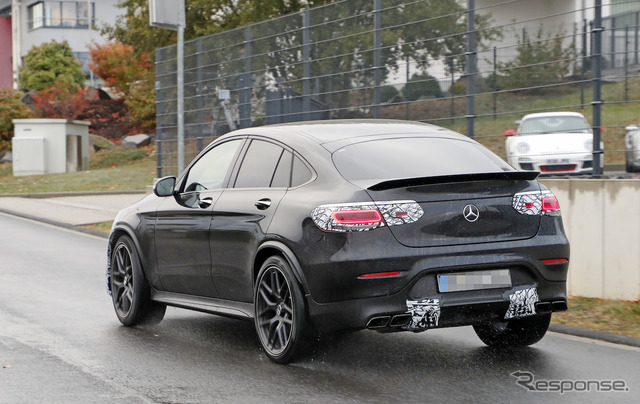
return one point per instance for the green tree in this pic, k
(540, 61)
(51, 64)
(10, 108)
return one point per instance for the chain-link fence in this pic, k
(473, 66)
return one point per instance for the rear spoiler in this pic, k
(407, 182)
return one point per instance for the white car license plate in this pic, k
(476, 280)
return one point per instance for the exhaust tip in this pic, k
(544, 307)
(560, 306)
(378, 322)
(400, 320)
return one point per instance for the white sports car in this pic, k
(551, 143)
(632, 146)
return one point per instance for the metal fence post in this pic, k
(377, 56)
(597, 83)
(158, 125)
(199, 94)
(306, 65)
(244, 109)
(471, 66)
(495, 82)
(626, 63)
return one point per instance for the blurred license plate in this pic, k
(476, 280)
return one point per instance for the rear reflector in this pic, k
(555, 260)
(363, 216)
(379, 275)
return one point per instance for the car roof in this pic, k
(333, 134)
(552, 114)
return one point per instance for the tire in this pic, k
(280, 312)
(129, 288)
(514, 333)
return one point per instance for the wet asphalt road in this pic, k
(61, 343)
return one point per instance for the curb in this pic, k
(594, 334)
(55, 223)
(43, 195)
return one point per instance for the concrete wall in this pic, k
(602, 221)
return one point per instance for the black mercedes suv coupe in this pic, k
(323, 226)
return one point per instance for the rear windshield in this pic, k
(400, 158)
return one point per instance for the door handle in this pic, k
(263, 204)
(205, 202)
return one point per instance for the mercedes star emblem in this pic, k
(471, 213)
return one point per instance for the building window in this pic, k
(60, 14)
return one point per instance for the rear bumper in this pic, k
(399, 312)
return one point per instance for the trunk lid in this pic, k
(464, 209)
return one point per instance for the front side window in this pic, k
(210, 171)
(60, 14)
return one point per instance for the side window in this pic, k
(282, 176)
(301, 173)
(211, 169)
(259, 165)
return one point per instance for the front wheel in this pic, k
(129, 289)
(280, 314)
(516, 332)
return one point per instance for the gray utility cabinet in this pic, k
(50, 146)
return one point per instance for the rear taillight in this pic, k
(536, 203)
(365, 216)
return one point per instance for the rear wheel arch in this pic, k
(271, 248)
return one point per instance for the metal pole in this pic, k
(200, 93)
(597, 77)
(306, 65)
(471, 67)
(377, 56)
(584, 61)
(495, 82)
(626, 63)
(452, 105)
(407, 113)
(247, 84)
(180, 85)
(158, 124)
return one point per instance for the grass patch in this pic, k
(615, 316)
(104, 227)
(114, 169)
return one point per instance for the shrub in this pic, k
(422, 85)
(10, 108)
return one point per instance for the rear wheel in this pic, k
(516, 332)
(280, 314)
(129, 289)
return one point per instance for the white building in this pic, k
(34, 22)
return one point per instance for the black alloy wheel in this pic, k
(279, 311)
(129, 289)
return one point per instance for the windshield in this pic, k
(554, 124)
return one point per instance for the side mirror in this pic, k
(631, 128)
(509, 132)
(164, 186)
